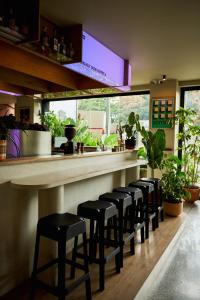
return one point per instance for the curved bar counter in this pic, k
(36, 186)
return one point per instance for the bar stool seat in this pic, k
(149, 212)
(135, 213)
(122, 201)
(99, 213)
(158, 198)
(61, 228)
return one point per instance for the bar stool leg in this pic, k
(91, 242)
(61, 268)
(35, 264)
(101, 256)
(74, 251)
(87, 281)
(132, 241)
(118, 256)
(121, 242)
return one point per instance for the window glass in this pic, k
(192, 100)
(63, 109)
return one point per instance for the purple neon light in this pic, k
(101, 64)
(10, 93)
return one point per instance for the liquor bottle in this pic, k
(63, 47)
(71, 51)
(44, 40)
(54, 41)
(12, 20)
(24, 27)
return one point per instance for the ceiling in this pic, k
(158, 37)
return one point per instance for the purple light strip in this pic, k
(10, 93)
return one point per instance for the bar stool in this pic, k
(149, 212)
(135, 211)
(61, 228)
(122, 201)
(158, 198)
(99, 213)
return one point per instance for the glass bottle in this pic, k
(54, 41)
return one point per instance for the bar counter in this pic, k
(36, 186)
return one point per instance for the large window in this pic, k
(192, 100)
(103, 114)
(108, 112)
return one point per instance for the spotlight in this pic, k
(164, 77)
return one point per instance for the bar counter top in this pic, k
(54, 157)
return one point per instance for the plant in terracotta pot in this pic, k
(189, 144)
(172, 186)
(131, 130)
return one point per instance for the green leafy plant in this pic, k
(154, 144)
(54, 124)
(131, 126)
(172, 180)
(189, 143)
(111, 140)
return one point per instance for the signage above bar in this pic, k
(100, 63)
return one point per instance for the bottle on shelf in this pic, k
(44, 40)
(71, 51)
(11, 20)
(54, 41)
(24, 27)
(62, 51)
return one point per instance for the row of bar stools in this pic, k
(122, 202)
(134, 214)
(148, 211)
(61, 228)
(99, 212)
(158, 198)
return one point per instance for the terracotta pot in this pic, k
(194, 192)
(3, 144)
(173, 209)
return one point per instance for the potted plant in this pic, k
(154, 146)
(172, 186)
(131, 130)
(189, 144)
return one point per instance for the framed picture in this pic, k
(163, 112)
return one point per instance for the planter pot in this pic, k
(194, 192)
(29, 143)
(130, 143)
(173, 209)
(3, 144)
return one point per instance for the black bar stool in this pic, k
(61, 228)
(99, 212)
(158, 198)
(135, 211)
(149, 212)
(122, 201)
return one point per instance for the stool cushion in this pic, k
(56, 225)
(117, 198)
(155, 181)
(97, 209)
(149, 187)
(133, 191)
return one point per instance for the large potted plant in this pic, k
(189, 144)
(172, 186)
(154, 146)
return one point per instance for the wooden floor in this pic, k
(136, 268)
